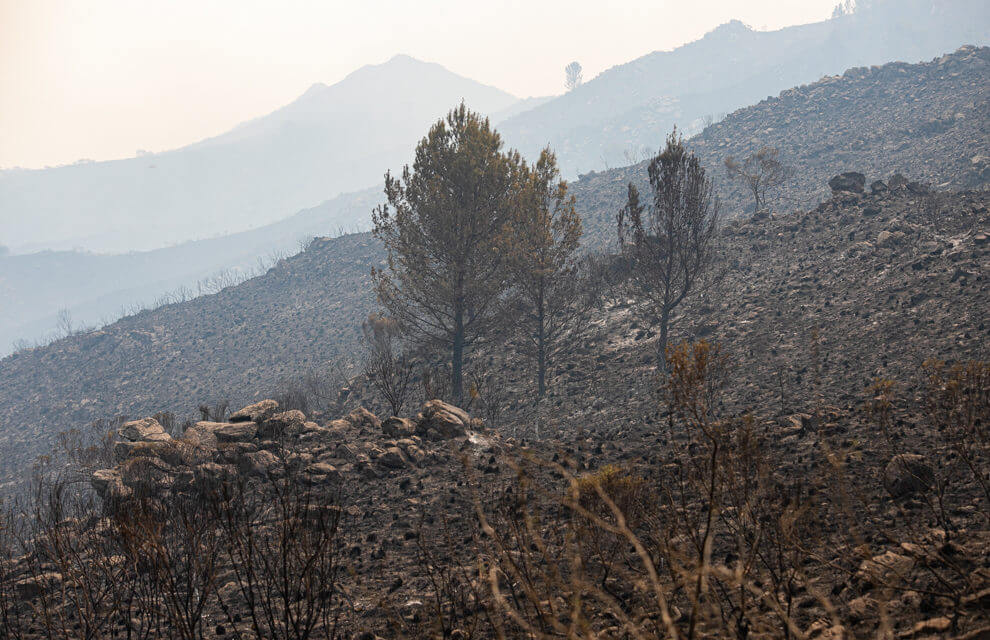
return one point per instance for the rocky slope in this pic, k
(305, 313)
(635, 105)
(929, 121)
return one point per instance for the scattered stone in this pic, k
(907, 474)
(146, 429)
(935, 625)
(886, 569)
(363, 418)
(257, 412)
(851, 181)
(281, 424)
(441, 421)
(398, 427)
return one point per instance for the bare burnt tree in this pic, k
(76, 572)
(670, 241)
(387, 365)
(14, 612)
(489, 393)
(931, 211)
(573, 76)
(762, 172)
(216, 413)
(177, 541)
(282, 541)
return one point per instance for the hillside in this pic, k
(305, 311)
(857, 521)
(96, 288)
(635, 105)
(227, 347)
(331, 140)
(928, 121)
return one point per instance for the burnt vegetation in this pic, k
(772, 428)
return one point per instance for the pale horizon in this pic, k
(100, 80)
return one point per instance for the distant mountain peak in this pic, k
(403, 58)
(732, 27)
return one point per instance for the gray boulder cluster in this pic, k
(261, 441)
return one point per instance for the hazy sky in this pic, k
(100, 79)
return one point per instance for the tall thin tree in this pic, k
(445, 277)
(670, 241)
(573, 76)
(543, 235)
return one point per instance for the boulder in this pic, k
(144, 430)
(850, 181)
(201, 434)
(392, 458)
(108, 484)
(147, 476)
(257, 412)
(907, 474)
(361, 417)
(886, 569)
(211, 474)
(208, 434)
(281, 424)
(897, 181)
(236, 432)
(396, 427)
(321, 473)
(441, 421)
(170, 451)
(890, 238)
(257, 463)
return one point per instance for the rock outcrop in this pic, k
(259, 441)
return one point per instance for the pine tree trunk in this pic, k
(541, 354)
(662, 342)
(457, 360)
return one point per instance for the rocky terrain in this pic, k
(825, 318)
(406, 493)
(303, 316)
(928, 121)
(306, 311)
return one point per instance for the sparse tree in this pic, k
(761, 172)
(63, 323)
(931, 211)
(670, 242)
(573, 78)
(445, 278)
(387, 366)
(541, 239)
